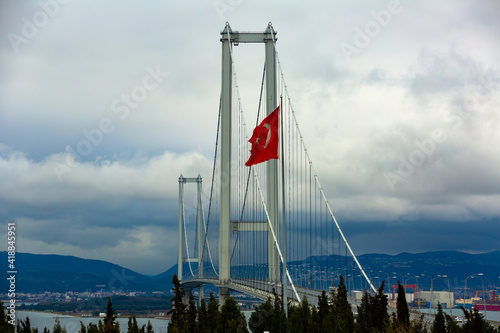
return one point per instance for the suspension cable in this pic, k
(205, 240)
(208, 244)
(186, 241)
(315, 174)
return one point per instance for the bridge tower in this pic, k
(228, 39)
(181, 259)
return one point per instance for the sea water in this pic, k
(45, 319)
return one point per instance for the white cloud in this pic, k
(424, 71)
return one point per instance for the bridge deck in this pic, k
(259, 289)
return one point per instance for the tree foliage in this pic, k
(5, 327)
(110, 326)
(178, 320)
(231, 319)
(439, 325)
(212, 313)
(372, 313)
(202, 317)
(269, 316)
(403, 314)
(192, 314)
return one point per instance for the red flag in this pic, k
(265, 140)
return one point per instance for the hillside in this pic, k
(56, 273)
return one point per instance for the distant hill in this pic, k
(455, 265)
(56, 273)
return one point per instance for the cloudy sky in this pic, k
(103, 105)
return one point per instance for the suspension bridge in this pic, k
(267, 226)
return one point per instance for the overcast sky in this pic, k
(104, 104)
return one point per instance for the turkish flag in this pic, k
(265, 140)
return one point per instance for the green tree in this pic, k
(380, 316)
(212, 312)
(132, 325)
(192, 313)
(475, 322)
(323, 308)
(418, 325)
(26, 325)
(58, 328)
(314, 323)
(83, 329)
(279, 315)
(344, 318)
(451, 325)
(5, 327)
(178, 320)
(202, 317)
(149, 328)
(403, 314)
(231, 319)
(92, 328)
(261, 319)
(439, 324)
(109, 321)
(364, 321)
(269, 316)
(300, 317)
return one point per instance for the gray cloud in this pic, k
(425, 71)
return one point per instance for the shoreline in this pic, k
(56, 314)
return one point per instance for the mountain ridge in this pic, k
(61, 273)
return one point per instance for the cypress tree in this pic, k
(83, 329)
(403, 314)
(109, 321)
(300, 317)
(191, 315)
(314, 323)
(451, 325)
(58, 328)
(213, 313)
(439, 324)
(365, 311)
(19, 328)
(5, 327)
(279, 322)
(344, 319)
(380, 316)
(178, 319)
(475, 322)
(132, 325)
(323, 307)
(231, 319)
(149, 328)
(92, 328)
(262, 319)
(26, 325)
(202, 317)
